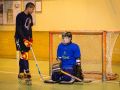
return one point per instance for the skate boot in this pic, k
(28, 79)
(21, 76)
(28, 75)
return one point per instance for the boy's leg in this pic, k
(26, 64)
(65, 79)
(28, 75)
(56, 74)
(21, 69)
(23, 62)
(55, 78)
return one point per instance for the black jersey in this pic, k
(24, 24)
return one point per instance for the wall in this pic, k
(40, 45)
(67, 15)
(77, 15)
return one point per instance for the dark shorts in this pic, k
(20, 46)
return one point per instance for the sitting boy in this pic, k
(68, 54)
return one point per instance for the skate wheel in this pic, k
(28, 82)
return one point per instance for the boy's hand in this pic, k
(31, 40)
(27, 43)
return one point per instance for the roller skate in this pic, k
(28, 79)
(21, 76)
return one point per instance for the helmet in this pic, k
(67, 34)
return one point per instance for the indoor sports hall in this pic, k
(95, 28)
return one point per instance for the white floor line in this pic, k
(113, 82)
(6, 72)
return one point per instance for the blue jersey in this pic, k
(68, 54)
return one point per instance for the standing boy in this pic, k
(23, 38)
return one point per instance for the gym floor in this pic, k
(9, 81)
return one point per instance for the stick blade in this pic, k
(50, 81)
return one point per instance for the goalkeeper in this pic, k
(68, 54)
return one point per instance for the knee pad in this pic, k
(55, 76)
(24, 55)
(56, 67)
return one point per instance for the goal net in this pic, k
(96, 52)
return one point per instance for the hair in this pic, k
(30, 4)
(67, 34)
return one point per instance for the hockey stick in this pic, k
(85, 81)
(36, 64)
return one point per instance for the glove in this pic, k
(27, 43)
(31, 40)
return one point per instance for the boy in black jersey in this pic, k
(23, 38)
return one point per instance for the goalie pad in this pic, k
(56, 72)
(77, 69)
(78, 72)
(58, 76)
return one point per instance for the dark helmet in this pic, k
(67, 34)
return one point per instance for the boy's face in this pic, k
(66, 40)
(30, 10)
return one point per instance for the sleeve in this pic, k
(31, 26)
(31, 33)
(19, 26)
(77, 53)
(59, 56)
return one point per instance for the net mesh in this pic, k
(91, 47)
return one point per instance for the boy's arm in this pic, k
(59, 57)
(31, 38)
(20, 32)
(19, 26)
(77, 55)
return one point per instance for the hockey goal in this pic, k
(96, 52)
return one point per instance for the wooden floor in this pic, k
(9, 81)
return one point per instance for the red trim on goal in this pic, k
(103, 33)
(104, 56)
(50, 50)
